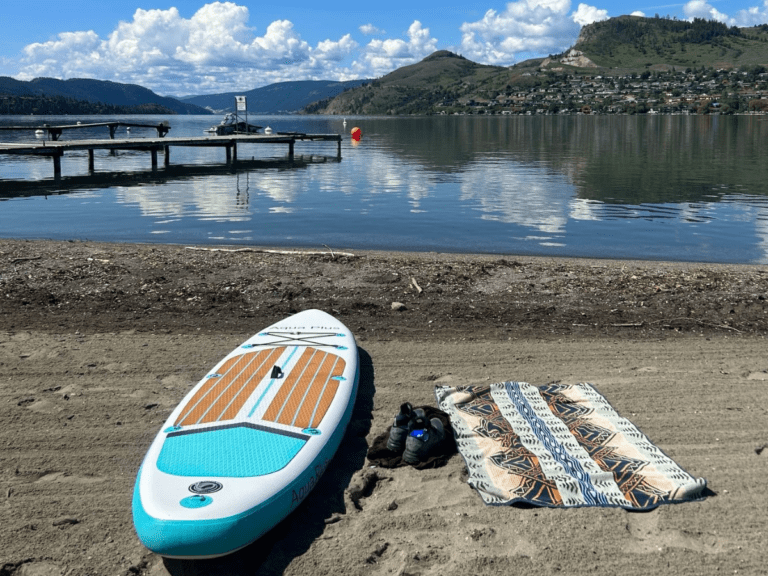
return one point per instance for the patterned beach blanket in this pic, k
(559, 446)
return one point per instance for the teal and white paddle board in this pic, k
(249, 441)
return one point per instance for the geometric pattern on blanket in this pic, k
(559, 446)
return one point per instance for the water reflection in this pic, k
(692, 188)
(43, 185)
(625, 159)
(516, 193)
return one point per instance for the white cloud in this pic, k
(752, 16)
(371, 30)
(638, 13)
(530, 26)
(380, 57)
(213, 51)
(700, 9)
(749, 17)
(335, 51)
(586, 14)
(71, 52)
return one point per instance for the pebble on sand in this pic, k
(65, 520)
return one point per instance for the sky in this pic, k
(191, 47)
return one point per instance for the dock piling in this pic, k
(56, 156)
(162, 129)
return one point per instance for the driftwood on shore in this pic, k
(265, 251)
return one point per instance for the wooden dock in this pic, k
(54, 132)
(55, 149)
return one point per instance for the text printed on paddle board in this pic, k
(307, 488)
(304, 328)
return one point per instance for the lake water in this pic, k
(651, 187)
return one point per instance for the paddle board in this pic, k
(249, 441)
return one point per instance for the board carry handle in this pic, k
(277, 372)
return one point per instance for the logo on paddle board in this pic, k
(205, 487)
(297, 497)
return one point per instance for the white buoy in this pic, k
(267, 130)
(344, 123)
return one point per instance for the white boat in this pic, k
(230, 125)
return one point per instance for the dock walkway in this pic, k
(54, 132)
(55, 149)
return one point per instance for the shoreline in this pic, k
(145, 287)
(99, 342)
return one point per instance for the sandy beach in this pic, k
(99, 342)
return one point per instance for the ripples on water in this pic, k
(678, 188)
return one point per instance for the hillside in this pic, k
(279, 98)
(628, 45)
(440, 77)
(23, 105)
(101, 91)
(632, 43)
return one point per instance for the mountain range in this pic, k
(89, 90)
(279, 98)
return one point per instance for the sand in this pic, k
(99, 342)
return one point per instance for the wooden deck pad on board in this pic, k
(222, 397)
(308, 391)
